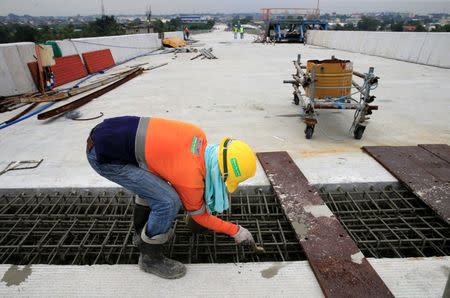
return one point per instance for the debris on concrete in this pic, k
(205, 54)
(86, 99)
(21, 165)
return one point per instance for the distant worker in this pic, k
(168, 163)
(236, 30)
(241, 30)
(186, 33)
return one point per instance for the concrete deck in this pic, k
(404, 277)
(242, 95)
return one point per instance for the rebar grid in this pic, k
(390, 223)
(86, 228)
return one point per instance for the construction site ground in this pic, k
(241, 95)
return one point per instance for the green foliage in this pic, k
(172, 25)
(346, 27)
(368, 24)
(177, 25)
(5, 34)
(208, 26)
(397, 27)
(104, 26)
(238, 20)
(421, 28)
(444, 28)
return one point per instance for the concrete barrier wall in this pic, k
(178, 34)
(15, 78)
(417, 47)
(123, 47)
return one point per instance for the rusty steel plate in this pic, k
(423, 172)
(440, 150)
(338, 264)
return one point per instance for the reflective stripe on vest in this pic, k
(197, 212)
(139, 142)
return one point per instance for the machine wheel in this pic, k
(309, 130)
(296, 100)
(359, 131)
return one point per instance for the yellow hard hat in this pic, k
(237, 162)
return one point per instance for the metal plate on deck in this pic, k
(440, 150)
(339, 266)
(421, 171)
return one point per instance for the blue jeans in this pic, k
(161, 197)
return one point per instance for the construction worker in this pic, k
(186, 33)
(241, 30)
(236, 30)
(167, 164)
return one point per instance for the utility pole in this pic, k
(149, 17)
(103, 9)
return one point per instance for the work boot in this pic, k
(152, 259)
(140, 218)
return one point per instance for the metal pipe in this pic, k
(357, 86)
(290, 82)
(330, 106)
(358, 74)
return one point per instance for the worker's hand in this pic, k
(244, 237)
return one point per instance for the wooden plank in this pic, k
(339, 266)
(421, 171)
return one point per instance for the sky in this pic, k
(90, 7)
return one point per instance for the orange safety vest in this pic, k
(174, 151)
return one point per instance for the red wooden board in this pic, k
(98, 60)
(68, 69)
(338, 264)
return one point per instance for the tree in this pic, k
(420, 28)
(136, 22)
(5, 35)
(368, 24)
(444, 28)
(104, 26)
(174, 25)
(397, 27)
(25, 33)
(159, 26)
(349, 27)
(339, 27)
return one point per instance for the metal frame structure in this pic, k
(309, 104)
(86, 228)
(291, 24)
